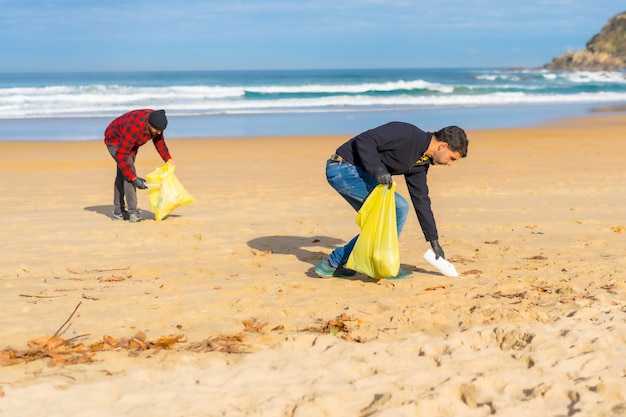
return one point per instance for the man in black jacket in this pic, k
(371, 158)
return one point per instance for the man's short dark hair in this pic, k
(455, 137)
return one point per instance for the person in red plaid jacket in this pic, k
(123, 137)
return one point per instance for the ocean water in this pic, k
(78, 106)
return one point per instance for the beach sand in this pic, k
(216, 311)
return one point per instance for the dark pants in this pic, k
(123, 189)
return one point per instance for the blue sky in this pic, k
(114, 35)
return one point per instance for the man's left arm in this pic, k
(161, 147)
(418, 190)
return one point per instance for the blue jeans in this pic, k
(355, 184)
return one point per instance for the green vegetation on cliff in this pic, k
(605, 51)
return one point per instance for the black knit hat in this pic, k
(158, 120)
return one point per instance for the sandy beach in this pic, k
(216, 311)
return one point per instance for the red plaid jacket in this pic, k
(127, 133)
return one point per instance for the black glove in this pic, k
(384, 178)
(140, 183)
(437, 249)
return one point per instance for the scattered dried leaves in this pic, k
(472, 272)
(124, 268)
(459, 259)
(58, 350)
(114, 278)
(436, 287)
(537, 258)
(498, 294)
(253, 325)
(337, 327)
(41, 296)
(222, 343)
(541, 289)
(138, 342)
(61, 351)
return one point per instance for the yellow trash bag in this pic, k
(376, 252)
(165, 192)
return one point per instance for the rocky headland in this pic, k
(605, 51)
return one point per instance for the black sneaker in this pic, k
(135, 218)
(121, 216)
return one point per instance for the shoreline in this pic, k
(534, 321)
(297, 124)
(609, 109)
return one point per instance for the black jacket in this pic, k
(397, 148)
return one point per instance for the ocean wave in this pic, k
(569, 77)
(99, 106)
(188, 94)
(392, 86)
(195, 91)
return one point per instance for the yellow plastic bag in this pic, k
(165, 192)
(376, 252)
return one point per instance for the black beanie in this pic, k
(158, 120)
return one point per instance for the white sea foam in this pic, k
(486, 88)
(353, 88)
(94, 105)
(595, 77)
